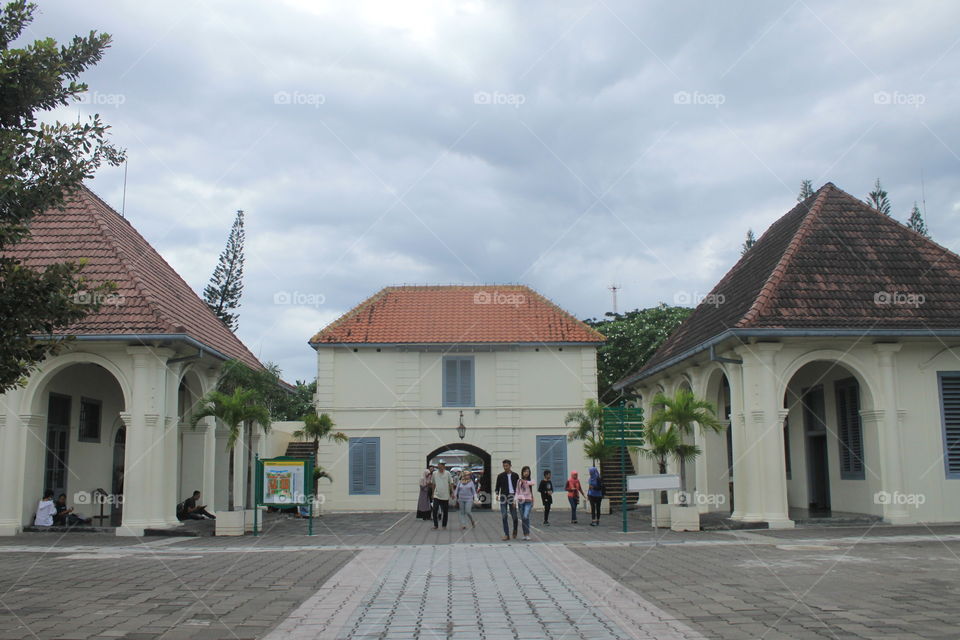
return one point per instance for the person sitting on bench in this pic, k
(190, 510)
(65, 516)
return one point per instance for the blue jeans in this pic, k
(525, 509)
(506, 501)
(573, 507)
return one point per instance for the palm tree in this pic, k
(233, 411)
(319, 428)
(682, 412)
(663, 442)
(589, 428)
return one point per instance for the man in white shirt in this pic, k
(45, 510)
(442, 488)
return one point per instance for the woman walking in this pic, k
(423, 502)
(573, 489)
(466, 494)
(595, 495)
(525, 500)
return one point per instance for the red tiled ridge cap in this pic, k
(456, 314)
(765, 296)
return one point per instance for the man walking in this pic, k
(505, 493)
(442, 488)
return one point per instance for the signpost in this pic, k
(654, 483)
(625, 425)
(284, 482)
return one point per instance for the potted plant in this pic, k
(233, 411)
(674, 418)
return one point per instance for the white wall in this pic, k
(396, 395)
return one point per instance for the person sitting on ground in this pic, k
(65, 517)
(192, 511)
(45, 510)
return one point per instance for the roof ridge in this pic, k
(765, 295)
(135, 276)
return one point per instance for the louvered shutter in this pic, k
(466, 382)
(850, 430)
(552, 455)
(364, 466)
(458, 381)
(950, 409)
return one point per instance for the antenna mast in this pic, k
(613, 289)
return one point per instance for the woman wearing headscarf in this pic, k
(423, 502)
(595, 496)
(573, 489)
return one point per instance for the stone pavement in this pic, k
(378, 581)
(464, 592)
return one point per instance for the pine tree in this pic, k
(806, 190)
(916, 221)
(878, 199)
(223, 293)
(748, 243)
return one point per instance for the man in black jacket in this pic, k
(506, 489)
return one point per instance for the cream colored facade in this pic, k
(395, 394)
(147, 458)
(762, 400)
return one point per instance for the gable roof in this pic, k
(831, 263)
(151, 298)
(456, 314)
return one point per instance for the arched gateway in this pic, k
(485, 480)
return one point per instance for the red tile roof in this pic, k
(151, 298)
(456, 315)
(832, 262)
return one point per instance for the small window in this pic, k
(552, 456)
(364, 466)
(849, 429)
(90, 420)
(458, 381)
(950, 416)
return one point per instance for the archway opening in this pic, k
(81, 405)
(828, 454)
(469, 459)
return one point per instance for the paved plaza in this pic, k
(389, 575)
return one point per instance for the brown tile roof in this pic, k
(456, 314)
(151, 298)
(832, 262)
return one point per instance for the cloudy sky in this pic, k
(562, 145)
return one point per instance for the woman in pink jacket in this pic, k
(525, 500)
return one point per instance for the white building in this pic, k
(401, 371)
(832, 350)
(111, 410)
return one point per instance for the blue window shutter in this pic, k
(466, 382)
(450, 374)
(950, 415)
(458, 381)
(364, 466)
(552, 455)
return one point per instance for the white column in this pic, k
(239, 466)
(144, 453)
(759, 384)
(207, 428)
(11, 465)
(888, 430)
(746, 470)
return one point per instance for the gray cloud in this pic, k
(564, 145)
